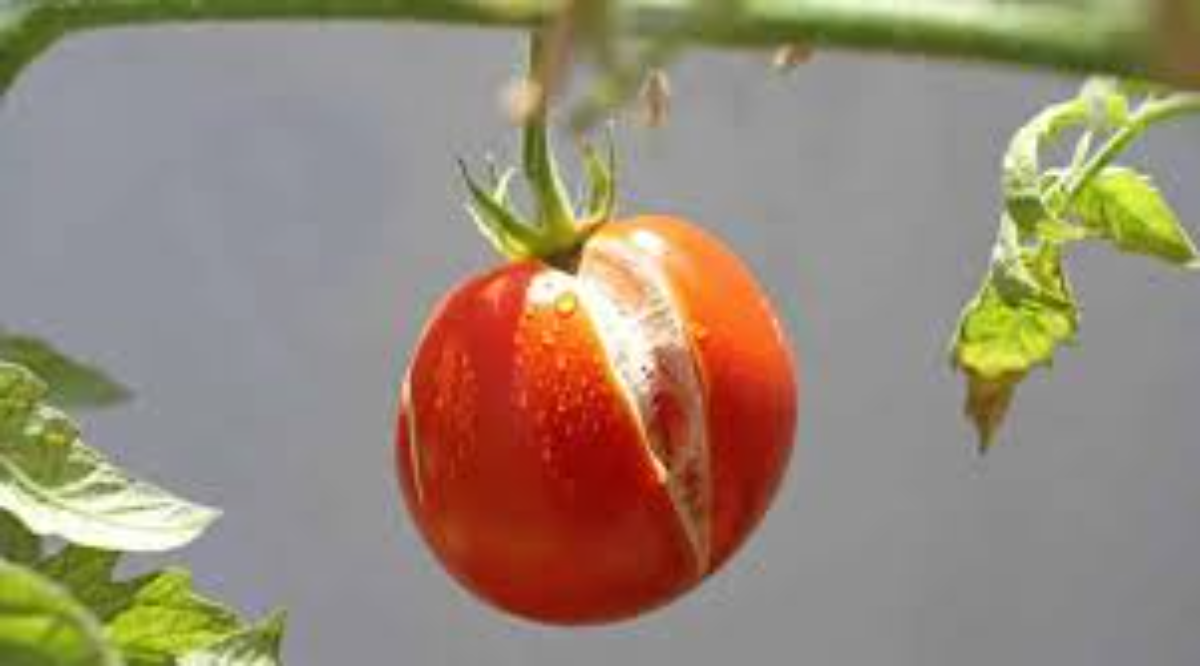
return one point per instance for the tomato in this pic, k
(581, 446)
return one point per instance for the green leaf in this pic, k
(59, 486)
(1123, 206)
(17, 543)
(165, 619)
(41, 625)
(257, 646)
(154, 619)
(88, 575)
(73, 384)
(1005, 333)
(1022, 314)
(601, 178)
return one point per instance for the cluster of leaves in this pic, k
(65, 606)
(1026, 308)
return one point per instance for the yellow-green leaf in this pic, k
(1005, 332)
(1123, 206)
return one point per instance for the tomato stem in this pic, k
(1152, 112)
(556, 230)
(554, 211)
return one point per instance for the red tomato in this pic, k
(584, 446)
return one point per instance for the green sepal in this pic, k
(511, 236)
(555, 216)
(601, 182)
(500, 182)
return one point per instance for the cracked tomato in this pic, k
(584, 445)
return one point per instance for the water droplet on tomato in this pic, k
(566, 304)
(699, 332)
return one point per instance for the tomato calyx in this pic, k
(559, 226)
(556, 231)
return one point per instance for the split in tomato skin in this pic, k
(747, 365)
(582, 447)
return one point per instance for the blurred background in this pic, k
(249, 226)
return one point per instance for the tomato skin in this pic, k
(529, 463)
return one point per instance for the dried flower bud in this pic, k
(656, 98)
(791, 56)
(522, 99)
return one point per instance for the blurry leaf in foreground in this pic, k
(73, 384)
(155, 619)
(17, 543)
(257, 646)
(41, 625)
(59, 486)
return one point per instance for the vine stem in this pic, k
(1094, 37)
(555, 216)
(1151, 113)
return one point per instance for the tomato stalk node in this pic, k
(558, 227)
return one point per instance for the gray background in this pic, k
(249, 226)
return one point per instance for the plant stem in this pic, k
(1062, 35)
(555, 217)
(1151, 113)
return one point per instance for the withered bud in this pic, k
(522, 99)
(791, 56)
(656, 98)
